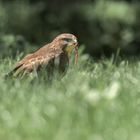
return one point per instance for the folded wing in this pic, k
(33, 62)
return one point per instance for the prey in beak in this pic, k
(73, 45)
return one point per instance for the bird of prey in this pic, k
(54, 55)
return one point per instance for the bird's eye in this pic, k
(67, 39)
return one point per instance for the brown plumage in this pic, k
(58, 50)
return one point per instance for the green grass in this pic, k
(94, 101)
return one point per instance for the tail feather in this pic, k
(19, 72)
(12, 72)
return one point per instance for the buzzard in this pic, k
(54, 55)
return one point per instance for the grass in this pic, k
(94, 101)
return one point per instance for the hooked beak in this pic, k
(73, 45)
(75, 42)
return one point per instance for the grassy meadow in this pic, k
(94, 101)
(98, 99)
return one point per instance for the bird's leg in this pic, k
(35, 73)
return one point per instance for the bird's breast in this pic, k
(61, 63)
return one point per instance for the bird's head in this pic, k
(68, 42)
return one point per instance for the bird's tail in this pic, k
(13, 73)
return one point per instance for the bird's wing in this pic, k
(33, 62)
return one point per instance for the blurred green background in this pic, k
(95, 100)
(102, 26)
